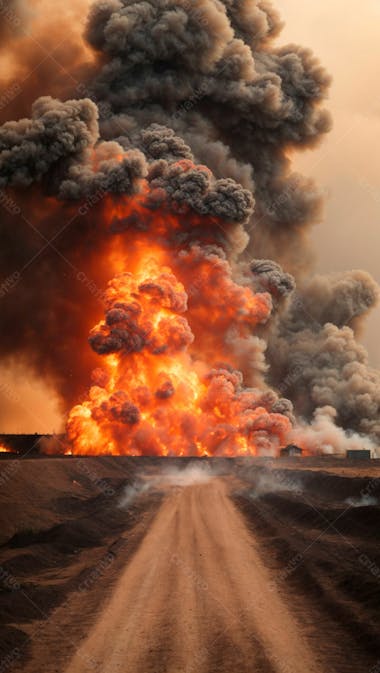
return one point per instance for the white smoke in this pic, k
(275, 481)
(322, 436)
(132, 492)
(192, 474)
(363, 501)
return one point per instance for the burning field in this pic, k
(158, 276)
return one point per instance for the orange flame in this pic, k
(169, 381)
(5, 449)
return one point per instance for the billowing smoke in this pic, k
(57, 131)
(268, 275)
(316, 360)
(172, 142)
(322, 435)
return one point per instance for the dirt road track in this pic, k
(196, 598)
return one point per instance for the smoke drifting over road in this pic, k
(170, 139)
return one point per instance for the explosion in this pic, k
(154, 393)
(163, 164)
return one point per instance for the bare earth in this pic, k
(241, 567)
(190, 592)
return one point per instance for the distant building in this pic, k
(359, 454)
(291, 450)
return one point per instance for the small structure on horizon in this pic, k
(359, 454)
(291, 450)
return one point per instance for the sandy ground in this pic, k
(140, 566)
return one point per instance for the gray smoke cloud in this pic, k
(270, 277)
(315, 340)
(338, 298)
(197, 98)
(29, 148)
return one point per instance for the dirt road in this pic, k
(196, 597)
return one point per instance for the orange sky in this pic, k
(347, 166)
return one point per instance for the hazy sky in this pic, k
(347, 165)
(345, 37)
